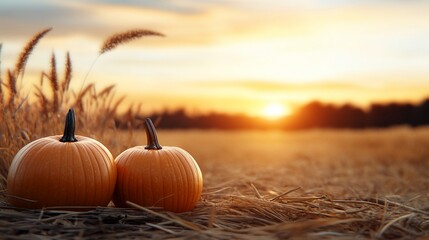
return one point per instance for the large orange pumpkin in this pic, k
(63, 170)
(166, 177)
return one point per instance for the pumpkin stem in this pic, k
(69, 128)
(152, 138)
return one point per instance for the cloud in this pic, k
(188, 22)
(271, 86)
(18, 21)
(204, 22)
(240, 39)
(168, 6)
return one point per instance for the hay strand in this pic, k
(393, 221)
(284, 194)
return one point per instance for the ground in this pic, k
(312, 184)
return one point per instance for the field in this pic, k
(311, 184)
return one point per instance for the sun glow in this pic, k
(275, 111)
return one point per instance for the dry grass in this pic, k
(302, 185)
(95, 111)
(121, 38)
(25, 54)
(258, 184)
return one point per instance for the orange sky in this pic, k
(233, 55)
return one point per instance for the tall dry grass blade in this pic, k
(80, 97)
(43, 101)
(87, 73)
(67, 74)
(11, 83)
(43, 75)
(23, 57)
(138, 109)
(53, 79)
(112, 111)
(1, 93)
(1, 80)
(1, 45)
(106, 91)
(120, 38)
(117, 39)
(20, 105)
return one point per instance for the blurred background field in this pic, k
(340, 163)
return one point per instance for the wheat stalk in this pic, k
(80, 97)
(22, 60)
(67, 74)
(43, 75)
(53, 79)
(12, 87)
(1, 80)
(117, 39)
(1, 92)
(43, 101)
(67, 79)
(120, 38)
(106, 91)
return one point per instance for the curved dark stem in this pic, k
(152, 138)
(69, 128)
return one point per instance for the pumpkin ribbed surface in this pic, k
(169, 178)
(47, 172)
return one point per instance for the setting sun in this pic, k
(275, 111)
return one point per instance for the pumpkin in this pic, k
(63, 170)
(156, 176)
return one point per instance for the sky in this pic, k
(234, 56)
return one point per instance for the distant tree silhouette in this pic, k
(390, 114)
(313, 115)
(421, 114)
(350, 116)
(319, 115)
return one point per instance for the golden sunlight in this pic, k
(275, 110)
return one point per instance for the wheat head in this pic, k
(67, 74)
(11, 83)
(1, 80)
(53, 79)
(120, 38)
(23, 57)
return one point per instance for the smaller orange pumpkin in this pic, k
(63, 170)
(166, 177)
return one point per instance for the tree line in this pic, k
(312, 115)
(319, 115)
